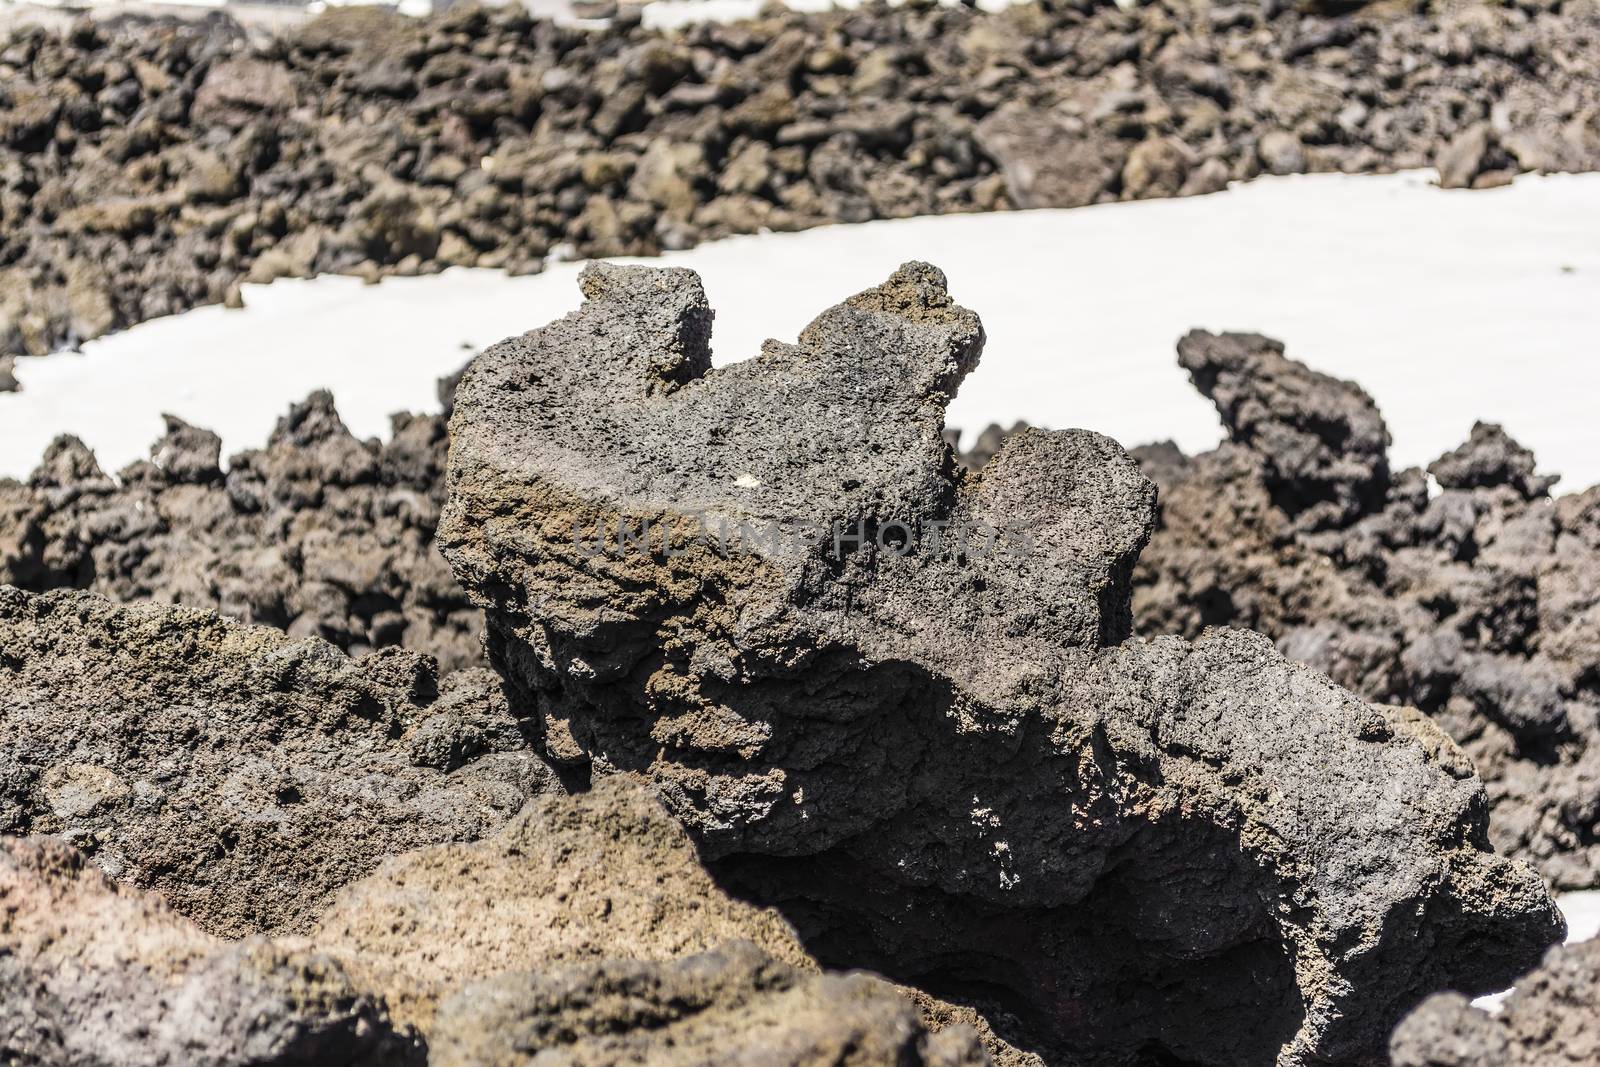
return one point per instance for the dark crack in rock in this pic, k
(1552, 1019)
(243, 775)
(1478, 603)
(93, 974)
(1127, 848)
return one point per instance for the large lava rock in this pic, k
(902, 702)
(1477, 601)
(585, 932)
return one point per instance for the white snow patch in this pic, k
(1447, 306)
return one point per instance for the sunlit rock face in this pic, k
(940, 752)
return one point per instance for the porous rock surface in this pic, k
(585, 933)
(730, 1007)
(92, 973)
(1478, 603)
(606, 874)
(1129, 848)
(243, 775)
(1551, 1019)
(147, 166)
(317, 533)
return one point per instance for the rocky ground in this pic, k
(695, 780)
(1477, 602)
(625, 712)
(146, 167)
(1549, 1021)
(317, 533)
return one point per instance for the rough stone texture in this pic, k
(1479, 604)
(150, 166)
(732, 1007)
(1322, 441)
(606, 874)
(585, 933)
(8, 380)
(1552, 1019)
(606, 886)
(1131, 848)
(96, 974)
(243, 775)
(317, 533)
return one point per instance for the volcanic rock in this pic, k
(151, 165)
(1551, 1019)
(92, 973)
(873, 686)
(242, 774)
(318, 534)
(587, 932)
(730, 1007)
(1478, 604)
(598, 875)
(1322, 440)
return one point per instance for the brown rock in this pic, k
(92, 974)
(604, 874)
(238, 90)
(1157, 167)
(1046, 163)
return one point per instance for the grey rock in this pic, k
(1551, 1019)
(1046, 164)
(1323, 442)
(1488, 458)
(1478, 604)
(1281, 153)
(243, 775)
(1462, 160)
(1124, 840)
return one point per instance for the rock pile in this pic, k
(766, 654)
(149, 166)
(317, 533)
(1478, 603)
(875, 688)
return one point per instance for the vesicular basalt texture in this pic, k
(944, 757)
(243, 775)
(1478, 603)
